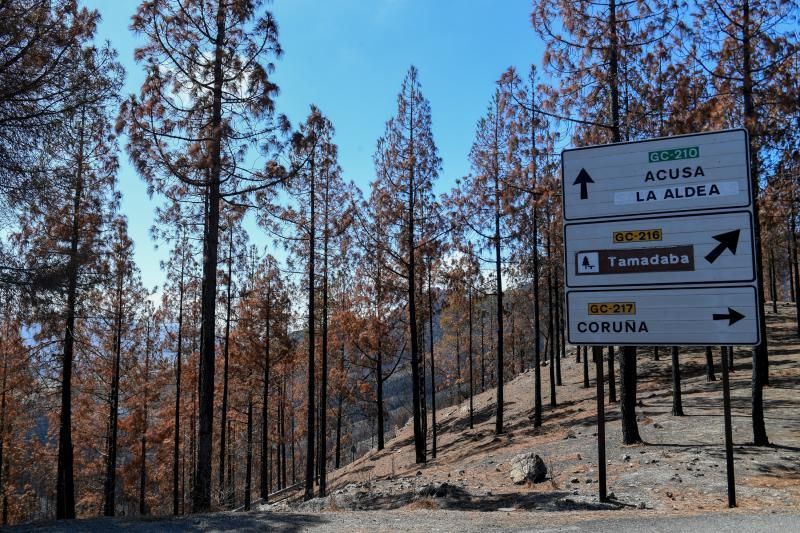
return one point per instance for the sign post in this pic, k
(659, 248)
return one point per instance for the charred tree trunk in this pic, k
(585, 368)
(3, 434)
(109, 486)
(224, 491)
(612, 379)
(323, 392)
(143, 464)
(248, 476)
(796, 265)
(231, 455)
(338, 459)
(202, 490)
(790, 257)
(282, 431)
(773, 286)
(471, 377)
(710, 365)
(677, 404)
(264, 464)
(433, 366)
(379, 398)
(556, 324)
(65, 484)
(498, 428)
(312, 390)
(760, 352)
(176, 496)
(483, 352)
(411, 273)
(550, 325)
(627, 371)
(537, 332)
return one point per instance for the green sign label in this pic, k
(674, 154)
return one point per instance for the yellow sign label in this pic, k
(639, 235)
(612, 308)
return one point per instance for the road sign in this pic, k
(667, 175)
(685, 249)
(659, 242)
(708, 316)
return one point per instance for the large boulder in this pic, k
(528, 467)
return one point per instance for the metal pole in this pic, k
(726, 404)
(597, 353)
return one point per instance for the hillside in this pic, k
(679, 468)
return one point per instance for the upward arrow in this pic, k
(583, 179)
(729, 240)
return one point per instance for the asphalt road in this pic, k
(429, 521)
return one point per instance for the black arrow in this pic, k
(583, 179)
(732, 317)
(729, 240)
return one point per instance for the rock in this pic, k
(527, 467)
(437, 491)
(574, 480)
(626, 457)
(506, 509)
(642, 505)
(461, 472)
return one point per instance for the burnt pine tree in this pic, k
(305, 224)
(205, 110)
(585, 57)
(63, 227)
(486, 203)
(533, 142)
(122, 271)
(744, 45)
(404, 185)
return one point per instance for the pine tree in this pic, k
(743, 45)
(219, 54)
(407, 165)
(80, 167)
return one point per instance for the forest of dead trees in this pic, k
(255, 368)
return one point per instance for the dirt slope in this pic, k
(679, 468)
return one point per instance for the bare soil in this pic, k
(680, 468)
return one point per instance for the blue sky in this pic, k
(349, 58)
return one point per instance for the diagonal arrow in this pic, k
(728, 240)
(732, 317)
(583, 179)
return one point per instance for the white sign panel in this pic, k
(709, 316)
(686, 249)
(659, 242)
(668, 175)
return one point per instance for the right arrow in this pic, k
(728, 240)
(732, 317)
(583, 179)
